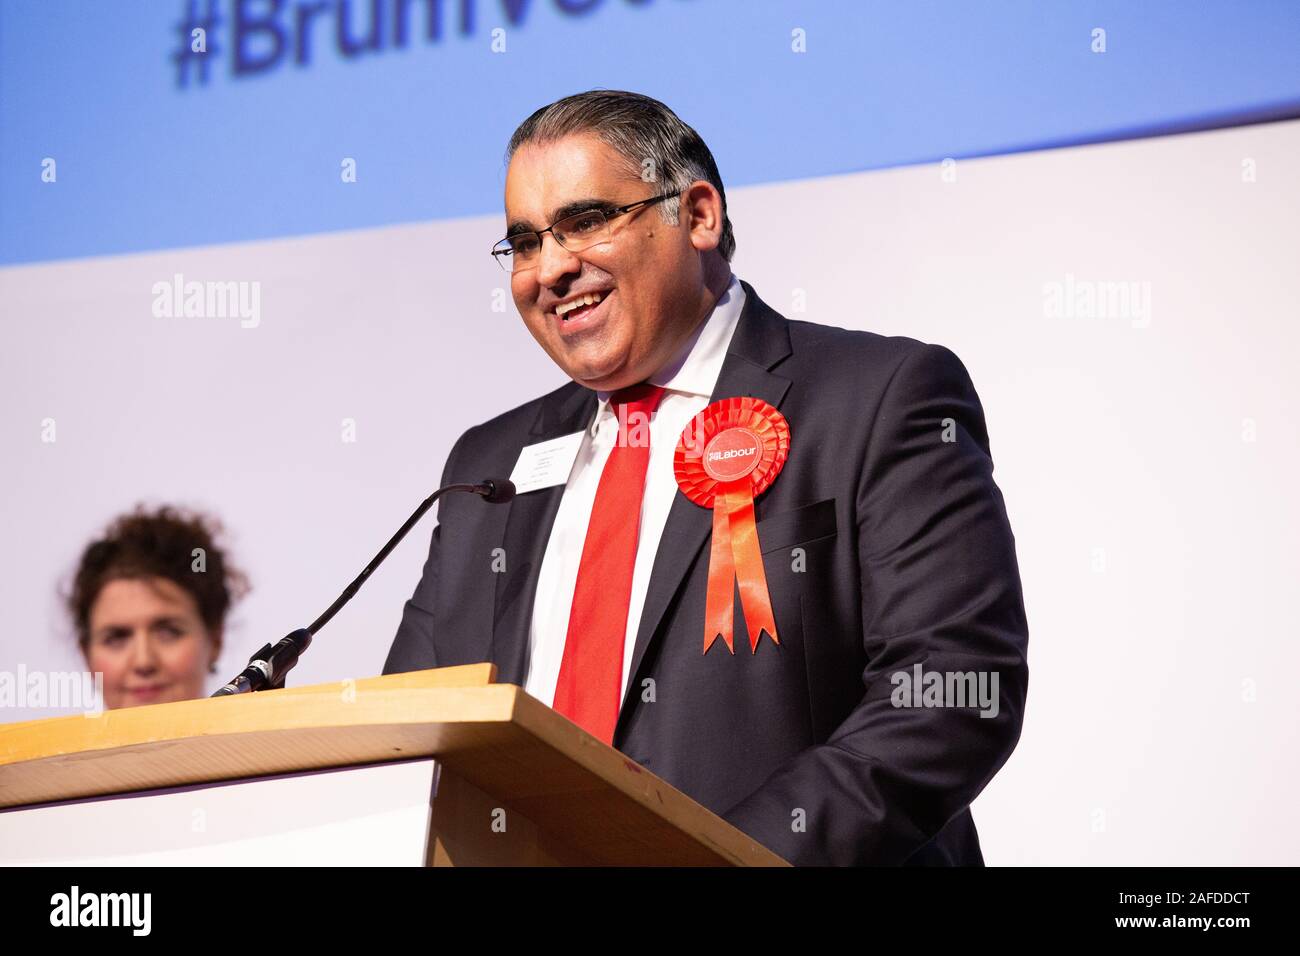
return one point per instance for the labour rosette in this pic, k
(726, 457)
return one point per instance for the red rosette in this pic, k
(752, 414)
(727, 456)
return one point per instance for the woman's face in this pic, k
(148, 640)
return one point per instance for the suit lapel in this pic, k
(528, 528)
(761, 340)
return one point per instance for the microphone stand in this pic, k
(267, 667)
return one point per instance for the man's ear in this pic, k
(702, 204)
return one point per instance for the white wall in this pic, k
(1157, 543)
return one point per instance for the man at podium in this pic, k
(765, 558)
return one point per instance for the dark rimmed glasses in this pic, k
(577, 232)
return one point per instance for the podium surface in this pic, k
(498, 778)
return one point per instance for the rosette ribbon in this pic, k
(726, 457)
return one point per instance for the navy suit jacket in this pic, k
(885, 544)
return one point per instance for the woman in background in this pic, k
(149, 603)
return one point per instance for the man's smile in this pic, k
(581, 312)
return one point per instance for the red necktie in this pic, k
(591, 672)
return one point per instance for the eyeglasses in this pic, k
(580, 231)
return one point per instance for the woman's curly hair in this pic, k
(158, 544)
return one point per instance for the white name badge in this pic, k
(546, 464)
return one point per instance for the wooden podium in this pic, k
(440, 767)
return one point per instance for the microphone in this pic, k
(268, 666)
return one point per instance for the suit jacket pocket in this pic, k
(788, 528)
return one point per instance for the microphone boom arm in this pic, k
(267, 668)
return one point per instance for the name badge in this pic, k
(546, 464)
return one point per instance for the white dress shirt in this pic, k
(689, 380)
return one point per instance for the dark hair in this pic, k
(160, 544)
(642, 130)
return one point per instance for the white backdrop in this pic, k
(1148, 457)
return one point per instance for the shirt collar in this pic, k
(694, 370)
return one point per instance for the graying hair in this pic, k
(657, 145)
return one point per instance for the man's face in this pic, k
(649, 274)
